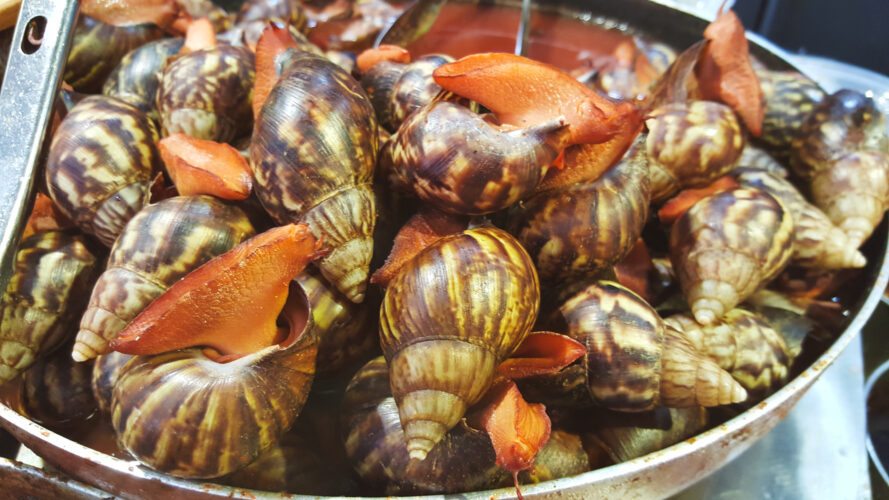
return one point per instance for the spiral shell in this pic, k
(574, 233)
(313, 154)
(626, 443)
(789, 97)
(754, 157)
(397, 89)
(135, 79)
(98, 47)
(207, 94)
(634, 362)
(188, 416)
(106, 370)
(452, 314)
(743, 344)
(690, 145)
(101, 162)
(457, 162)
(159, 246)
(290, 11)
(45, 295)
(56, 391)
(727, 245)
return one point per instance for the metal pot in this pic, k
(653, 476)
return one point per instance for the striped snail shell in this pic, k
(634, 362)
(207, 94)
(451, 315)
(347, 334)
(754, 157)
(98, 47)
(45, 295)
(186, 415)
(626, 443)
(789, 97)
(816, 241)
(398, 89)
(313, 155)
(159, 246)
(135, 79)
(690, 145)
(743, 344)
(101, 162)
(290, 11)
(727, 245)
(574, 233)
(56, 390)
(456, 161)
(106, 370)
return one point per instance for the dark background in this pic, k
(853, 31)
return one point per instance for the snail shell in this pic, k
(789, 97)
(452, 314)
(690, 145)
(754, 157)
(313, 154)
(346, 333)
(159, 246)
(854, 193)
(106, 370)
(726, 245)
(188, 416)
(459, 163)
(135, 79)
(634, 362)
(397, 89)
(53, 271)
(574, 233)
(98, 47)
(101, 162)
(816, 241)
(290, 11)
(626, 443)
(743, 344)
(56, 391)
(207, 94)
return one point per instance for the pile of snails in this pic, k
(379, 389)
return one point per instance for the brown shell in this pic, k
(398, 89)
(626, 443)
(313, 154)
(817, 243)
(844, 122)
(101, 162)
(690, 145)
(98, 47)
(136, 79)
(347, 334)
(188, 416)
(727, 245)
(754, 157)
(291, 11)
(789, 97)
(208, 93)
(575, 233)
(463, 461)
(45, 296)
(452, 314)
(159, 246)
(456, 161)
(633, 362)
(743, 344)
(56, 391)
(106, 370)
(197, 9)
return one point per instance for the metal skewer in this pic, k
(521, 41)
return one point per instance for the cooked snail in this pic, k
(727, 245)
(44, 297)
(313, 154)
(398, 89)
(451, 315)
(159, 246)
(101, 162)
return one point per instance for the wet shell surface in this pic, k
(726, 246)
(135, 79)
(690, 145)
(626, 443)
(313, 155)
(101, 162)
(207, 94)
(163, 243)
(789, 97)
(106, 370)
(56, 391)
(452, 314)
(53, 273)
(398, 89)
(634, 362)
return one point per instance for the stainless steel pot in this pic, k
(653, 476)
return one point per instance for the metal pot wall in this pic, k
(653, 476)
